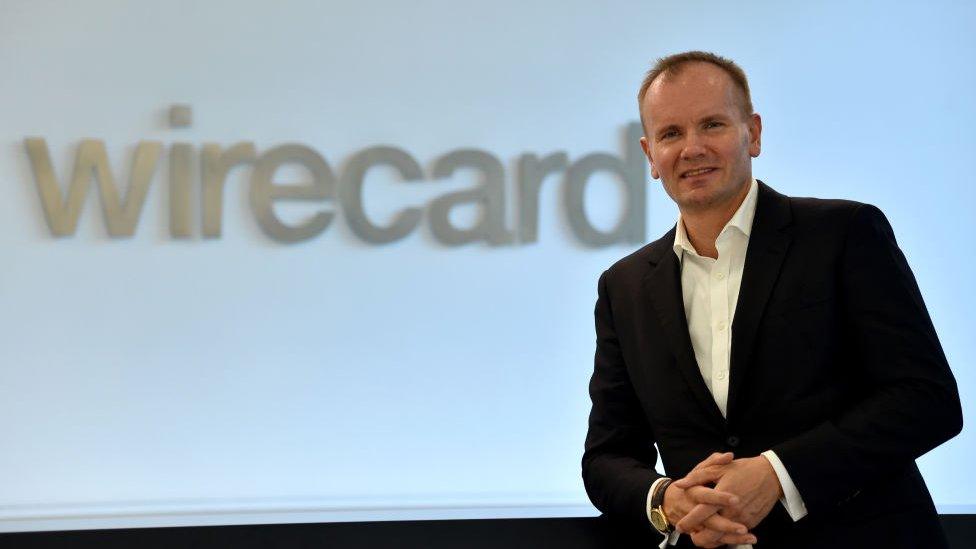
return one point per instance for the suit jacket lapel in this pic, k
(768, 243)
(662, 285)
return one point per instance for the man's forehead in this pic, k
(697, 90)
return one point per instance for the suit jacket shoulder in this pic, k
(808, 214)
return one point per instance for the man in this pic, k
(776, 350)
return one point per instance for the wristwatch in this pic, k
(658, 519)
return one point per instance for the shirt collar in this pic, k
(741, 220)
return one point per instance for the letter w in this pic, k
(91, 160)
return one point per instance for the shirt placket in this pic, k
(718, 283)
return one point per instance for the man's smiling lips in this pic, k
(697, 172)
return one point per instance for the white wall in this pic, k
(156, 381)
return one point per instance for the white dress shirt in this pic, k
(710, 291)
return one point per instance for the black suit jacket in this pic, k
(835, 365)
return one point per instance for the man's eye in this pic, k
(668, 134)
(713, 124)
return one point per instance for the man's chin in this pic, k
(705, 198)
(697, 200)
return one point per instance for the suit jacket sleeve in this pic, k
(911, 403)
(619, 456)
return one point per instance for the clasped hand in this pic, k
(744, 493)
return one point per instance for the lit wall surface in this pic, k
(154, 380)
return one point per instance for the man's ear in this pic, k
(755, 134)
(646, 147)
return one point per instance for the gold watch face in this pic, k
(658, 520)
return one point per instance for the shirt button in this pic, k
(720, 275)
(721, 326)
(732, 441)
(721, 375)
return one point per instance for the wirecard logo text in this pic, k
(121, 215)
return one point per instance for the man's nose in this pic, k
(693, 147)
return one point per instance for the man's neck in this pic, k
(703, 226)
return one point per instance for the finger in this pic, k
(717, 458)
(738, 539)
(705, 516)
(701, 476)
(695, 518)
(701, 494)
(707, 538)
(724, 525)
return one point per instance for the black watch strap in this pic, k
(657, 498)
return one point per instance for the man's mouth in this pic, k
(697, 171)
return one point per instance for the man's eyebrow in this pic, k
(667, 128)
(710, 117)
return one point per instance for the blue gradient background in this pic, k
(151, 381)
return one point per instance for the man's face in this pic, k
(698, 140)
